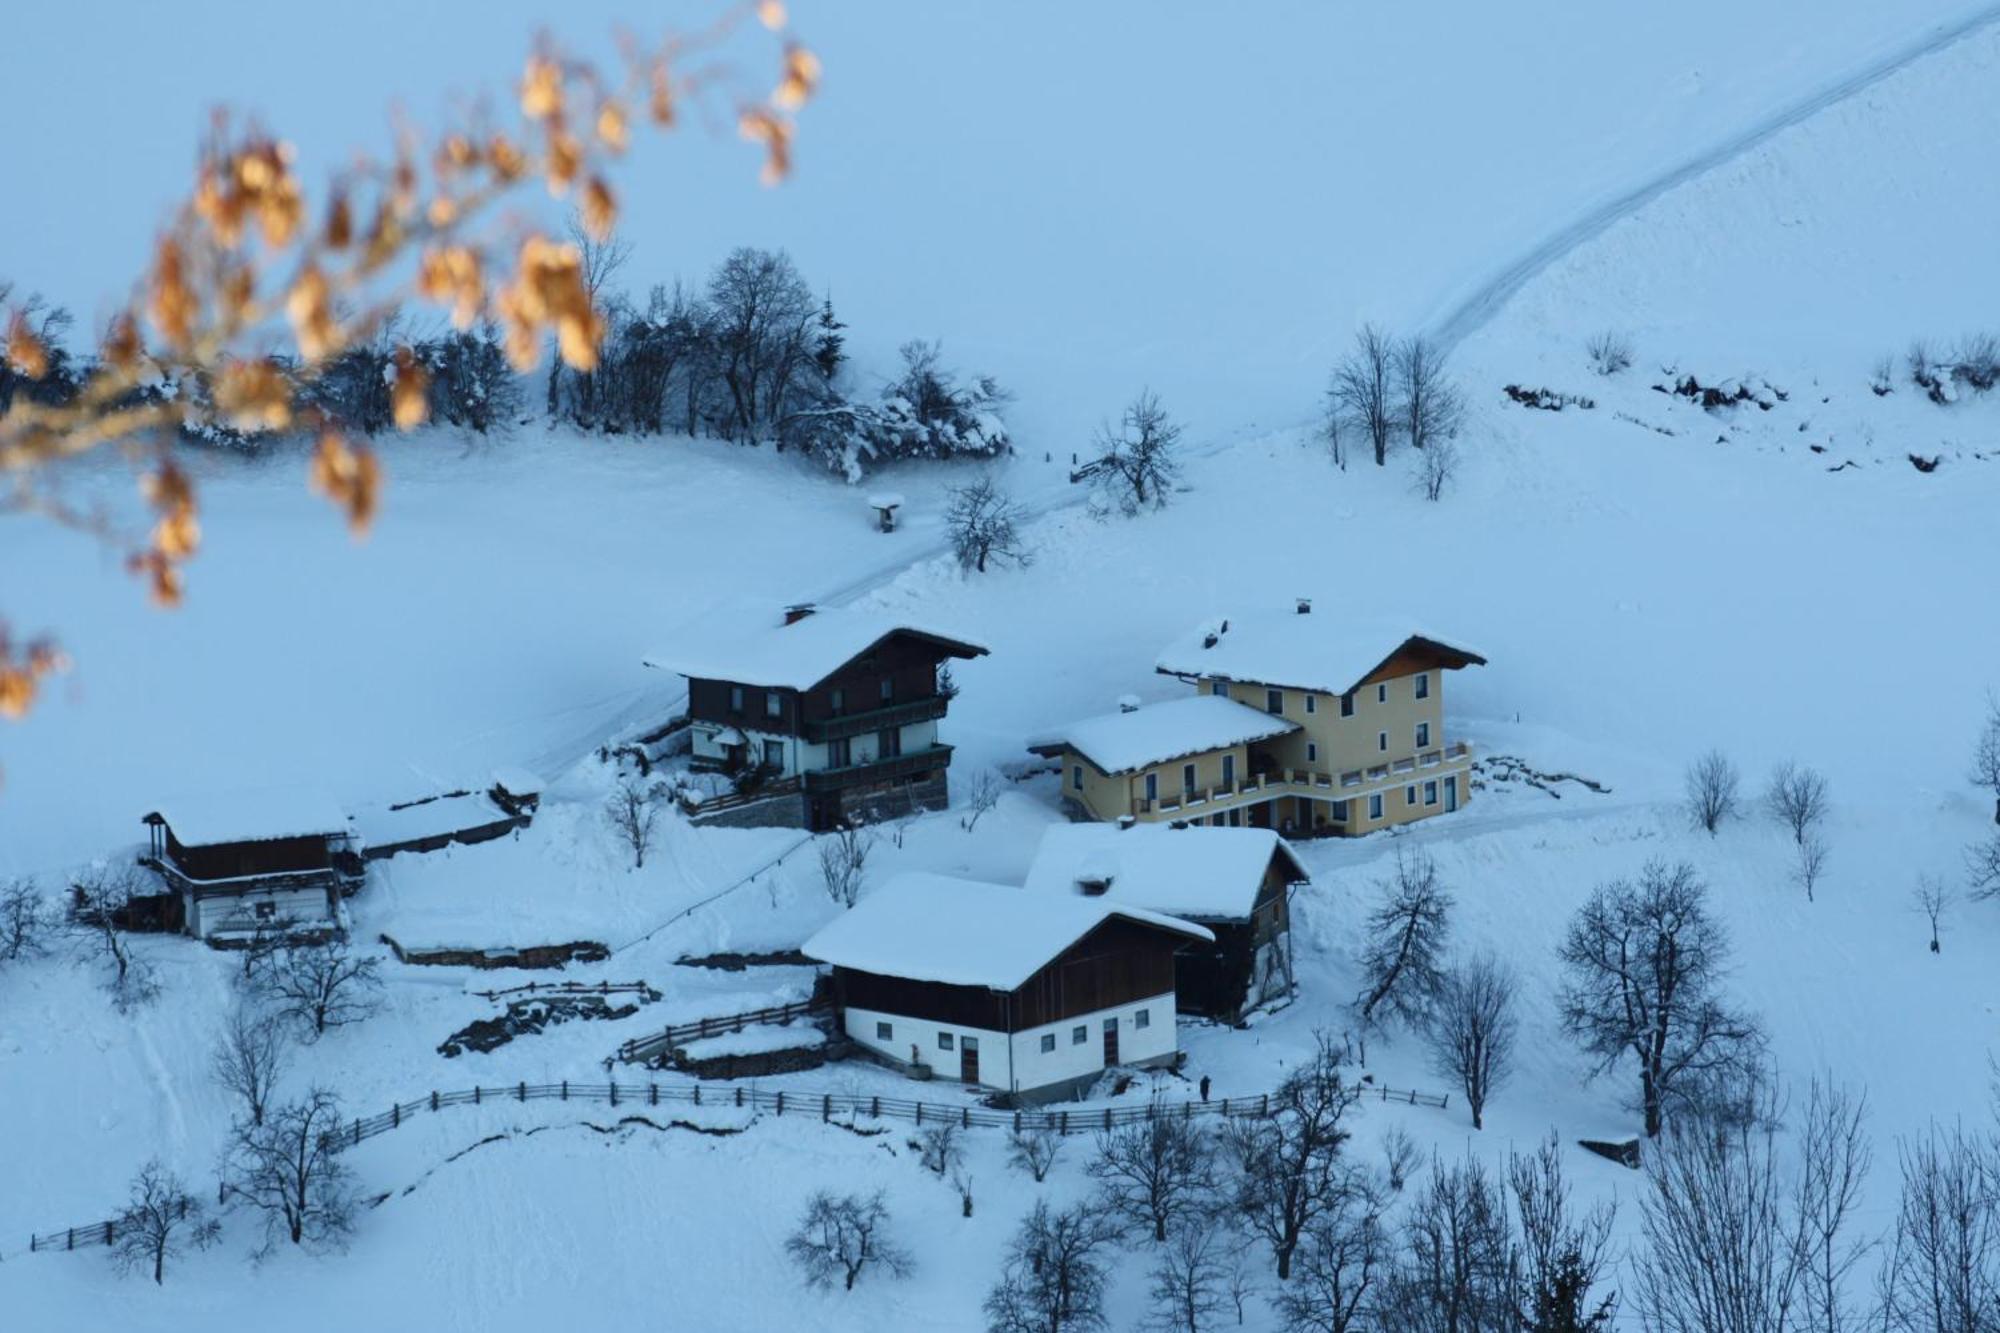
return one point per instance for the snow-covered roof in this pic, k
(1124, 741)
(1320, 651)
(256, 815)
(962, 932)
(885, 500)
(1203, 873)
(382, 826)
(764, 651)
(518, 781)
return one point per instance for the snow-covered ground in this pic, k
(1648, 579)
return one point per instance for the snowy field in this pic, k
(1648, 579)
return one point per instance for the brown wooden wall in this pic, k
(960, 1006)
(1414, 656)
(226, 860)
(907, 659)
(708, 701)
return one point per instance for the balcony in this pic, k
(879, 770)
(927, 709)
(1275, 782)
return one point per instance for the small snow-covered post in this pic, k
(885, 504)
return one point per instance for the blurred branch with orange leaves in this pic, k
(250, 269)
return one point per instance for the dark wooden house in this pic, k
(822, 718)
(1033, 995)
(1235, 881)
(252, 863)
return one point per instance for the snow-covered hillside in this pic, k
(1648, 578)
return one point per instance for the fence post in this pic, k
(1064, 1122)
(875, 1108)
(357, 1139)
(395, 1117)
(109, 1232)
(965, 1117)
(523, 1091)
(434, 1099)
(565, 1090)
(781, 1102)
(653, 1094)
(1264, 1104)
(1413, 1096)
(1107, 1117)
(697, 1094)
(920, 1113)
(739, 1094)
(1225, 1108)
(475, 1094)
(1017, 1122)
(826, 1108)
(70, 1244)
(614, 1092)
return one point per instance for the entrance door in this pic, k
(968, 1059)
(1110, 1042)
(1451, 793)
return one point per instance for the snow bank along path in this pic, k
(1475, 309)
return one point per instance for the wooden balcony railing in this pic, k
(928, 709)
(879, 770)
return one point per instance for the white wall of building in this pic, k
(1031, 1066)
(240, 911)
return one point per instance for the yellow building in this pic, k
(1330, 728)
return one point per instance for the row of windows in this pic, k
(1078, 1035)
(774, 700)
(1274, 700)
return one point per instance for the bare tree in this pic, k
(1053, 1281)
(1932, 897)
(1155, 1173)
(843, 862)
(1610, 352)
(1644, 963)
(158, 1223)
(1472, 1029)
(1399, 1158)
(961, 1180)
(321, 986)
(764, 330)
(1941, 1266)
(1982, 869)
(1403, 960)
(633, 811)
(1986, 754)
(102, 896)
(1813, 853)
(251, 1059)
(939, 1149)
(1034, 1151)
(24, 921)
(1435, 467)
(1430, 405)
(1363, 389)
(1834, 1159)
(982, 795)
(1711, 785)
(1340, 1265)
(1459, 1271)
(289, 1169)
(1796, 798)
(840, 1237)
(1289, 1169)
(984, 526)
(1333, 429)
(1188, 1290)
(1562, 1255)
(1719, 1247)
(1137, 462)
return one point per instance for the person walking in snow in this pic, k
(1204, 1087)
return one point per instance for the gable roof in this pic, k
(764, 651)
(962, 932)
(1328, 653)
(261, 814)
(1156, 733)
(1201, 873)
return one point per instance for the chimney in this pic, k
(1305, 606)
(1094, 888)
(1128, 703)
(794, 614)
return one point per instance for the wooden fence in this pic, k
(641, 1049)
(569, 988)
(820, 1105)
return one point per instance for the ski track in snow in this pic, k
(1473, 311)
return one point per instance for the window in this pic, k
(1187, 778)
(267, 910)
(1340, 812)
(735, 698)
(888, 689)
(1228, 771)
(1423, 735)
(1076, 777)
(1048, 1042)
(1410, 794)
(1312, 750)
(944, 1041)
(774, 755)
(1431, 792)
(774, 704)
(1382, 693)
(1423, 684)
(1079, 1034)
(1274, 701)
(889, 743)
(839, 753)
(1382, 741)
(1375, 806)
(1143, 1019)
(836, 702)
(1152, 787)
(1312, 703)
(1219, 688)
(1347, 704)
(885, 1032)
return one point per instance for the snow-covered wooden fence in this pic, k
(824, 1106)
(641, 1049)
(568, 988)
